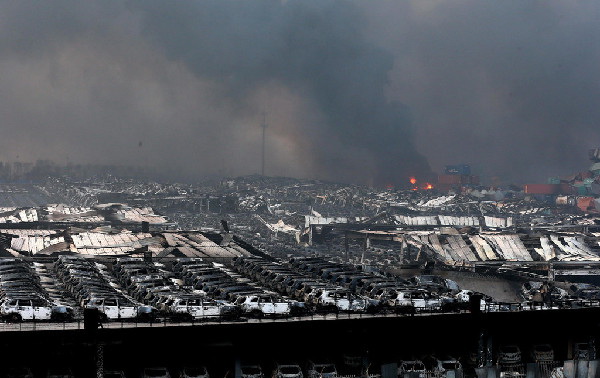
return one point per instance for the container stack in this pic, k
(456, 177)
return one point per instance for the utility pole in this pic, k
(264, 128)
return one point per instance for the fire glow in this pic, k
(425, 186)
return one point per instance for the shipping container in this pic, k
(566, 189)
(595, 169)
(542, 189)
(582, 190)
(458, 179)
(460, 169)
(450, 179)
(553, 180)
(585, 203)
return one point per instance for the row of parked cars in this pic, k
(190, 288)
(573, 295)
(318, 295)
(23, 297)
(93, 286)
(420, 293)
(333, 287)
(167, 292)
(152, 372)
(223, 284)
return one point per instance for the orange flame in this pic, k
(428, 186)
(413, 180)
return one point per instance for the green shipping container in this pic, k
(553, 180)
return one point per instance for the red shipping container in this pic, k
(542, 188)
(449, 179)
(566, 189)
(585, 203)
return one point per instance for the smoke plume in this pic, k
(510, 87)
(88, 81)
(353, 91)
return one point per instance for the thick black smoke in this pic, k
(511, 87)
(318, 49)
(88, 81)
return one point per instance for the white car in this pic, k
(197, 308)
(542, 353)
(263, 305)
(114, 374)
(415, 300)
(113, 308)
(509, 354)
(194, 372)
(25, 309)
(287, 370)
(448, 364)
(156, 372)
(251, 371)
(412, 366)
(342, 300)
(321, 370)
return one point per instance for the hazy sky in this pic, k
(360, 91)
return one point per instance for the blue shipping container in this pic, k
(461, 169)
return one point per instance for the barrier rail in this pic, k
(78, 324)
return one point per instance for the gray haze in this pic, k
(512, 87)
(365, 92)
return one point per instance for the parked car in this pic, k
(581, 351)
(251, 371)
(194, 372)
(321, 370)
(412, 366)
(18, 309)
(287, 370)
(263, 305)
(509, 354)
(542, 353)
(156, 372)
(114, 374)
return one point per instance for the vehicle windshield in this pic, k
(289, 369)
(450, 365)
